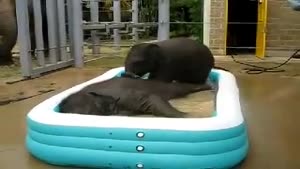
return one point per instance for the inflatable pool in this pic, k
(118, 142)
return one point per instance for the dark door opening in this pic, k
(241, 26)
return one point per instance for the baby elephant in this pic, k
(89, 103)
(177, 59)
(129, 97)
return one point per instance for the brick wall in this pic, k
(283, 28)
(217, 27)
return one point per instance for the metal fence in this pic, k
(125, 24)
(80, 30)
(61, 42)
(51, 45)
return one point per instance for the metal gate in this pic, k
(64, 32)
(58, 43)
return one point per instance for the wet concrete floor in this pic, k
(270, 103)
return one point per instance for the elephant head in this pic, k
(142, 59)
(91, 103)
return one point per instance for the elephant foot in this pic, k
(6, 62)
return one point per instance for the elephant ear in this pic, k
(154, 54)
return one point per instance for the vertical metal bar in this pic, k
(135, 19)
(62, 29)
(70, 27)
(52, 33)
(55, 11)
(117, 19)
(30, 5)
(94, 8)
(206, 22)
(77, 33)
(23, 36)
(163, 20)
(39, 32)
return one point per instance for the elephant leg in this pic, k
(8, 36)
(5, 50)
(157, 106)
(5, 57)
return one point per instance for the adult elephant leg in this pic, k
(8, 31)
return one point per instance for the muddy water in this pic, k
(270, 105)
(13, 130)
(272, 111)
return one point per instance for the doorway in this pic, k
(242, 26)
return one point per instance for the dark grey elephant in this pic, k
(177, 59)
(129, 97)
(8, 30)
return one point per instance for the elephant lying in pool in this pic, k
(177, 59)
(126, 96)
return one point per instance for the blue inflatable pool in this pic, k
(118, 142)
